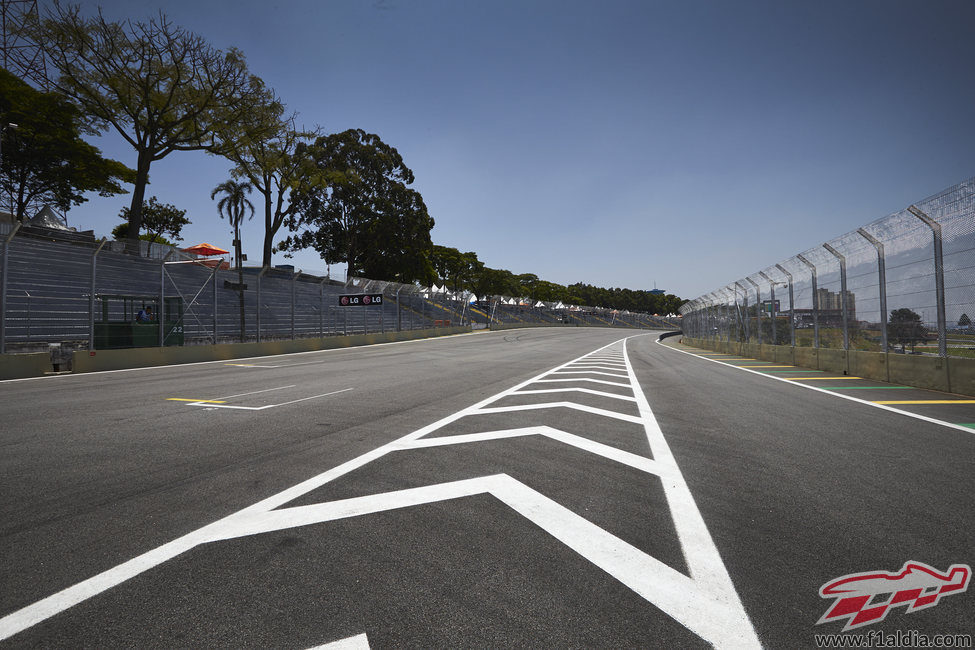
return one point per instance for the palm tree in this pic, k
(234, 205)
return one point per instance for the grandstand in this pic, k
(60, 287)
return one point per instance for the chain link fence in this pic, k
(903, 284)
(64, 288)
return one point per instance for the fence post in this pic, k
(758, 307)
(792, 306)
(815, 299)
(727, 311)
(260, 275)
(215, 269)
(321, 313)
(842, 259)
(882, 278)
(939, 278)
(744, 301)
(771, 286)
(162, 294)
(399, 312)
(91, 299)
(3, 289)
(294, 285)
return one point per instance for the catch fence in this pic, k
(904, 283)
(60, 287)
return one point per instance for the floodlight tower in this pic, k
(21, 56)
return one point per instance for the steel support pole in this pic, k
(815, 299)
(258, 319)
(792, 306)
(727, 312)
(3, 288)
(294, 286)
(939, 278)
(842, 259)
(771, 286)
(744, 319)
(882, 279)
(91, 297)
(399, 312)
(758, 307)
(215, 302)
(321, 310)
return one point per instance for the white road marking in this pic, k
(268, 406)
(705, 602)
(575, 390)
(266, 390)
(641, 463)
(916, 416)
(594, 381)
(588, 372)
(224, 361)
(635, 419)
(358, 642)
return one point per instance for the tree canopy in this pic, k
(272, 156)
(359, 210)
(158, 221)
(905, 327)
(161, 87)
(44, 158)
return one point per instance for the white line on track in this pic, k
(210, 405)
(884, 407)
(226, 361)
(576, 390)
(266, 390)
(704, 602)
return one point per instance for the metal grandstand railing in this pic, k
(60, 287)
(904, 283)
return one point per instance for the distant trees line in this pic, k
(459, 271)
(164, 89)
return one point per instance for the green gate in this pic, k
(118, 325)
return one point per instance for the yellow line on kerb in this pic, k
(928, 401)
(805, 378)
(204, 401)
(765, 366)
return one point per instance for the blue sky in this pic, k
(622, 144)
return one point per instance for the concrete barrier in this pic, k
(515, 326)
(961, 375)
(921, 371)
(833, 360)
(19, 366)
(870, 365)
(145, 357)
(950, 375)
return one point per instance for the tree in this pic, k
(455, 269)
(495, 282)
(161, 87)
(158, 219)
(402, 228)
(358, 208)
(44, 158)
(274, 161)
(964, 321)
(234, 206)
(905, 327)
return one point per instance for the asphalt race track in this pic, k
(526, 488)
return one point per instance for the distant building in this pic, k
(830, 306)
